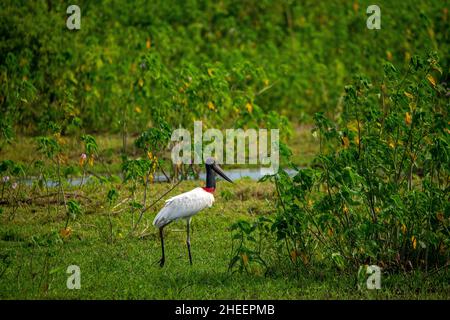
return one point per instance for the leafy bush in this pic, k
(378, 192)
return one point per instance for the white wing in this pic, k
(184, 205)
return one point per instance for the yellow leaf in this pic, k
(249, 107)
(345, 209)
(403, 228)
(138, 109)
(389, 55)
(436, 68)
(91, 160)
(414, 242)
(141, 82)
(294, 255)
(353, 126)
(65, 232)
(244, 259)
(431, 33)
(431, 80)
(82, 159)
(409, 95)
(211, 106)
(330, 232)
(407, 56)
(355, 6)
(148, 43)
(210, 72)
(408, 118)
(345, 142)
(266, 82)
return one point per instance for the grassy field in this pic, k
(34, 258)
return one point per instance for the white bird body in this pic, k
(184, 206)
(187, 204)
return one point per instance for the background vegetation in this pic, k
(133, 62)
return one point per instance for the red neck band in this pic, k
(210, 190)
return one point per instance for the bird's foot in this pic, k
(160, 262)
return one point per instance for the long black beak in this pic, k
(220, 172)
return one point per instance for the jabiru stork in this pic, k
(188, 204)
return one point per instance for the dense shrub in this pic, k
(282, 56)
(378, 192)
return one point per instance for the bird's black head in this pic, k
(211, 169)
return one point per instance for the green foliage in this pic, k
(155, 139)
(8, 167)
(135, 169)
(90, 145)
(112, 196)
(243, 254)
(378, 193)
(48, 146)
(73, 208)
(11, 174)
(168, 59)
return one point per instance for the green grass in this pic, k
(34, 259)
(24, 150)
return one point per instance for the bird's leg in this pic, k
(163, 257)
(188, 241)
